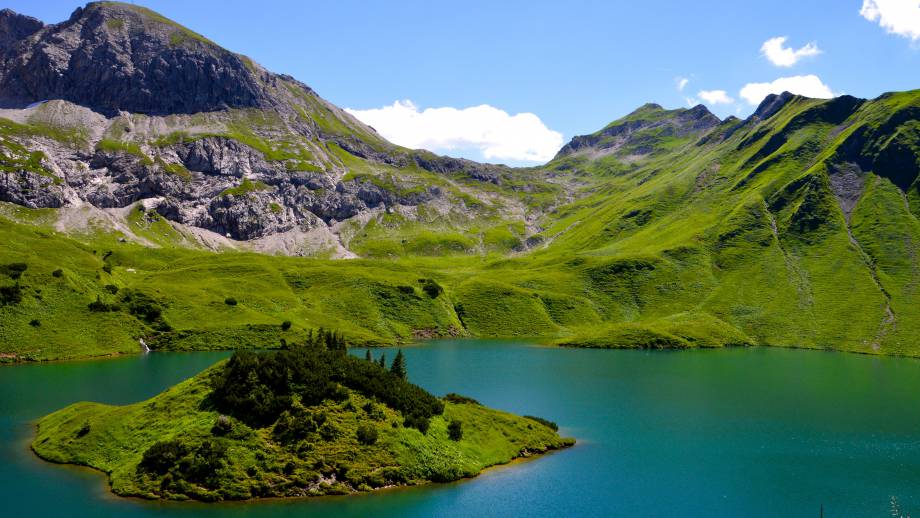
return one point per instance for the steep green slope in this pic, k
(336, 425)
(795, 227)
(790, 226)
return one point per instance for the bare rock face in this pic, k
(15, 27)
(115, 57)
(255, 153)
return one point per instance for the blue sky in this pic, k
(574, 65)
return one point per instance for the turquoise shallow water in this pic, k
(741, 432)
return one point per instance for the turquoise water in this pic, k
(741, 432)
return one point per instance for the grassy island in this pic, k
(307, 420)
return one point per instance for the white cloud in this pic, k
(681, 83)
(495, 133)
(778, 54)
(901, 17)
(809, 86)
(715, 96)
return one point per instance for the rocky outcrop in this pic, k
(115, 57)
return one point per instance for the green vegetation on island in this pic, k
(306, 420)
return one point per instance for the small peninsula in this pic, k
(303, 421)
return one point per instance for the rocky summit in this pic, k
(119, 104)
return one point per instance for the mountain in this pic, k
(118, 105)
(796, 226)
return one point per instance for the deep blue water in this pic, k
(740, 432)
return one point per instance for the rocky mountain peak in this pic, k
(15, 27)
(771, 104)
(113, 57)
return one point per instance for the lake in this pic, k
(737, 432)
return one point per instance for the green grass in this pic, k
(245, 187)
(120, 146)
(113, 439)
(738, 238)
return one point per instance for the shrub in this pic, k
(230, 301)
(58, 273)
(419, 423)
(367, 434)
(296, 425)
(14, 270)
(431, 288)
(111, 288)
(10, 295)
(107, 268)
(142, 306)
(98, 306)
(544, 422)
(162, 456)
(455, 430)
(408, 290)
(35, 323)
(285, 325)
(460, 400)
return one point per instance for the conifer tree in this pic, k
(399, 365)
(383, 361)
(368, 356)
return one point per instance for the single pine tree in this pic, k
(399, 365)
(368, 356)
(383, 361)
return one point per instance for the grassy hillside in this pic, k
(795, 227)
(356, 435)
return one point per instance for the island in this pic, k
(305, 420)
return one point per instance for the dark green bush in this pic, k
(162, 456)
(230, 301)
(98, 306)
(431, 288)
(14, 270)
(58, 273)
(419, 423)
(408, 290)
(111, 288)
(296, 425)
(107, 268)
(35, 322)
(367, 434)
(10, 295)
(544, 422)
(460, 400)
(455, 430)
(285, 325)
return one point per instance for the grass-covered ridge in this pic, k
(309, 420)
(668, 228)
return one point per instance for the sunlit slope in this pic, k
(795, 227)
